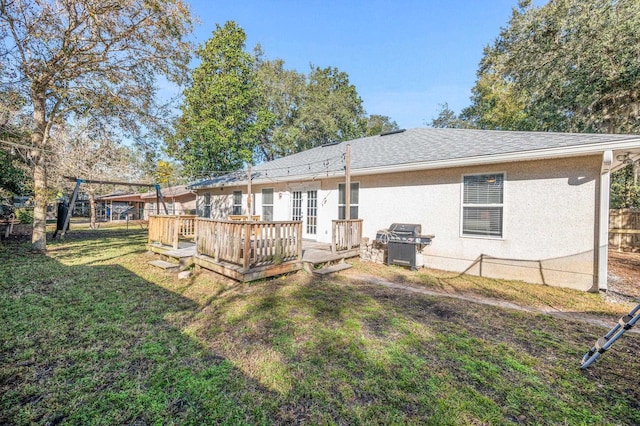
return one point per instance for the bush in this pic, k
(24, 215)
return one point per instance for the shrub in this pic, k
(24, 215)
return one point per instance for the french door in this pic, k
(304, 207)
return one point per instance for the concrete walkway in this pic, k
(569, 316)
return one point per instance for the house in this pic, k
(531, 206)
(178, 200)
(119, 206)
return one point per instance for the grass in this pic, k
(539, 296)
(92, 335)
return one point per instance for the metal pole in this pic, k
(249, 210)
(73, 203)
(347, 189)
(157, 199)
(160, 199)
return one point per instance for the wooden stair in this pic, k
(327, 270)
(163, 264)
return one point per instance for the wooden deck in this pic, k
(247, 250)
(314, 254)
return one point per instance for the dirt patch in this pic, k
(20, 232)
(624, 274)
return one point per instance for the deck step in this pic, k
(331, 269)
(162, 264)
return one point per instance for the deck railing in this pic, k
(346, 235)
(168, 229)
(187, 226)
(249, 244)
(255, 218)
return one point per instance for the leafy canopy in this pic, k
(72, 59)
(567, 66)
(221, 118)
(243, 108)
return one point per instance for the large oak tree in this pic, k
(88, 58)
(567, 66)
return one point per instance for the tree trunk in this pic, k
(92, 209)
(38, 137)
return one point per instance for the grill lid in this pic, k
(407, 233)
(409, 229)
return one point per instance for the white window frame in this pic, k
(204, 205)
(496, 205)
(234, 205)
(357, 205)
(271, 205)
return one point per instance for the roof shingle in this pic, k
(417, 145)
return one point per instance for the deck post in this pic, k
(247, 246)
(334, 229)
(176, 232)
(278, 243)
(195, 232)
(299, 226)
(150, 229)
(216, 242)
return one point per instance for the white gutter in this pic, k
(602, 236)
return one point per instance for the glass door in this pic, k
(311, 225)
(304, 207)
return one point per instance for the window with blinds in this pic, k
(204, 208)
(482, 205)
(354, 202)
(236, 208)
(267, 204)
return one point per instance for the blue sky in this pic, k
(404, 57)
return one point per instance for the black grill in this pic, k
(404, 241)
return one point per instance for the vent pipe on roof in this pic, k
(392, 132)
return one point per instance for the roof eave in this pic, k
(541, 154)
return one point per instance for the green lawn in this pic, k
(92, 335)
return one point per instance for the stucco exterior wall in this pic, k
(549, 216)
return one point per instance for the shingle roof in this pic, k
(417, 145)
(169, 192)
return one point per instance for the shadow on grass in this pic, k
(90, 343)
(98, 344)
(366, 354)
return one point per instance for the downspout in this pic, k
(603, 221)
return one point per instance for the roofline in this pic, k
(538, 154)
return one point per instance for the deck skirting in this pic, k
(237, 273)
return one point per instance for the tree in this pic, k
(91, 154)
(282, 95)
(14, 178)
(495, 105)
(77, 58)
(221, 117)
(447, 118)
(379, 124)
(331, 111)
(625, 191)
(168, 173)
(570, 65)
